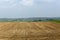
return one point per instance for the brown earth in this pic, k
(29, 31)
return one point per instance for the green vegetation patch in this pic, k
(52, 20)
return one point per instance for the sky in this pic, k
(29, 8)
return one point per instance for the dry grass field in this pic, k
(29, 31)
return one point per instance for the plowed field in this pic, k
(29, 31)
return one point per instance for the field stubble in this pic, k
(29, 31)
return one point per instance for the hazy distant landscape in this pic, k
(32, 19)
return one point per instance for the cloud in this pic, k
(26, 2)
(15, 3)
(46, 0)
(7, 3)
(19, 3)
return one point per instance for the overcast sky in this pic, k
(29, 8)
